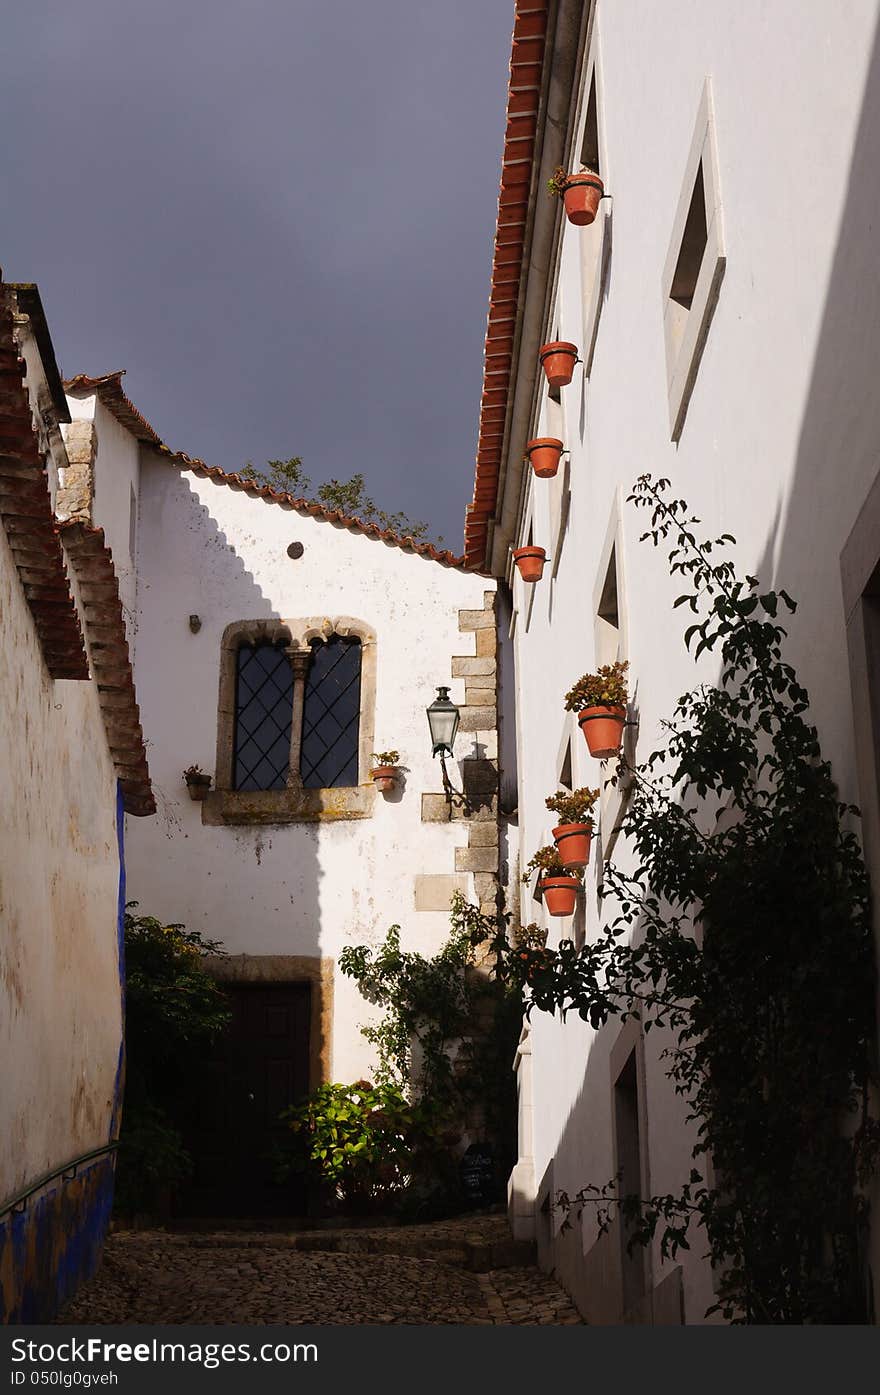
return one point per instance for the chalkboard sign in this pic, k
(477, 1171)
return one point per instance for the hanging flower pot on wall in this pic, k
(600, 701)
(530, 561)
(197, 782)
(573, 843)
(558, 358)
(581, 197)
(384, 772)
(581, 194)
(560, 894)
(544, 453)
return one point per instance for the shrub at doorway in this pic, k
(743, 933)
(172, 1008)
(363, 1143)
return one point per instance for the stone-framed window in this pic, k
(295, 722)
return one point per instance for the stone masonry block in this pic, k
(434, 892)
(479, 776)
(465, 667)
(487, 643)
(485, 886)
(483, 835)
(479, 697)
(476, 859)
(436, 810)
(474, 718)
(476, 620)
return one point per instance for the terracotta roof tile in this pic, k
(92, 563)
(28, 518)
(310, 508)
(523, 100)
(108, 390)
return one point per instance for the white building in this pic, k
(725, 304)
(276, 647)
(72, 762)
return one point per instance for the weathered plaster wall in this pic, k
(60, 999)
(298, 889)
(779, 448)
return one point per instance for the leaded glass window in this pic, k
(263, 714)
(331, 714)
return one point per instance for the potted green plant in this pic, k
(581, 193)
(558, 883)
(197, 782)
(543, 453)
(575, 829)
(600, 702)
(558, 358)
(530, 562)
(384, 772)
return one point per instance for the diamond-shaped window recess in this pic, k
(263, 713)
(331, 714)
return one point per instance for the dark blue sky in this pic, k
(277, 216)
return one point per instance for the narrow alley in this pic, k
(463, 1271)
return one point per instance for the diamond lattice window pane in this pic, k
(263, 712)
(331, 714)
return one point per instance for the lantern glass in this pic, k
(443, 719)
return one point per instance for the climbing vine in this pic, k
(448, 1031)
(745, 931)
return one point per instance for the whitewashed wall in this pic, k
(779, 445)
(296, 889)
(60, 993)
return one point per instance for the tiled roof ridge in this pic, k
(312, 508)
(92, 562)
(523, 102)
(108, 389)
(28, 518)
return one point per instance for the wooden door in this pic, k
(229, 1110)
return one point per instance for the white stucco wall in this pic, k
(294, 889)
(779, 445)
(60, 994)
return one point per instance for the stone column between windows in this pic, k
(299, 663)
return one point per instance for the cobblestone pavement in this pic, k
(417, 1276)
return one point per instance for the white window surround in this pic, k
(594, 238)
(685, 331)
(612, 802)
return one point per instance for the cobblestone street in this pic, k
(416, 1274)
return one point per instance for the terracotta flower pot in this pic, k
(198, 789)
(560, 895)
(544, 453)
(573, 843)
(384, 777)
(581, 197)
(603, 728)
(558, 359)
(530, 561)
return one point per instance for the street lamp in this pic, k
(443, 720)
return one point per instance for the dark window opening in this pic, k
(565, 778)
(629, 1167)
(608, 604)
(263, 715)
(331, 714)
(590, 143)
(693, 245)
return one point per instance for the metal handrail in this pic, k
(19, 1203)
